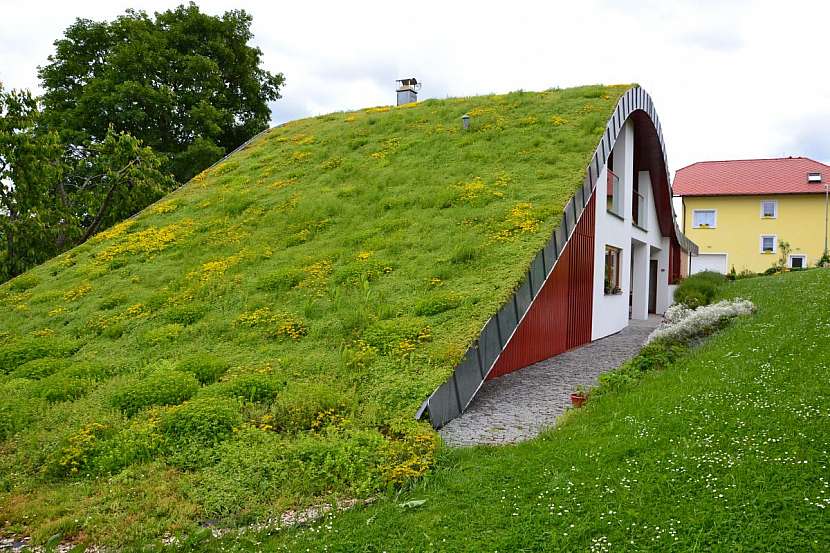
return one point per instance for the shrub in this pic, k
(699, 289)
(161, 387)
(656, 355)
(388, 335)
(24, 282)
(79, 449)
(205, 367)
(250, 471)
(61, 387)
(683, 325)
(437, 303)
(351, 462)
(89, 370)
(202, 420)
(281, 280)
(185, 314)
(41, 368)
(17, 352)
(308, 407)
(162, 334)
(255, 388)
(16, 410)
(139, 442)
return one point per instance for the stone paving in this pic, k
(517, 406)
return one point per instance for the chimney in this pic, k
(408, 91)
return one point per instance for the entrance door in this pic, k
(652, 286)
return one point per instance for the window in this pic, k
(638, 207)
(612, 270)
(614, 195)
(768, 244)
(769, 209)
(704, 218)
(798, 261)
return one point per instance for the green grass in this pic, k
(726, 450)
(261, 338)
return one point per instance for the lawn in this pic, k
(260, 339)
(727, 450)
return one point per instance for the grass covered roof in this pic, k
(288, 309)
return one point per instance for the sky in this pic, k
(730, 79)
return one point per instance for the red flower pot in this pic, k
(578, 400)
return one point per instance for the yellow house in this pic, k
(743, 213)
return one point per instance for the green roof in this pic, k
(349, 258)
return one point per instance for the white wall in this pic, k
(610, 313)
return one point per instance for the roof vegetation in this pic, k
(262, 337)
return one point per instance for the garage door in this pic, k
(709, 262)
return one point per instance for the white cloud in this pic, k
(730, 79)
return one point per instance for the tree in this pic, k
(53, 198)
(30, 166)
(183, 82)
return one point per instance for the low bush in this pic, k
(160, 387)
(254, 388)
(684, 325)
(17, 352)
(656, 355)
(16, 410)
(389, 335)
(203, 420)
(437, 303)
(62, 387)
(699, 289)
(185, 314)
(24, 282)
(139, 442)
(281, 280)
(309, 407)
(41, 368)
(207, 368)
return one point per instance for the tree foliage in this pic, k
(183, 82)
(29, 167)
(52, 197)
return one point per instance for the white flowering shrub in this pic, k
(683, 324)
(676, 313)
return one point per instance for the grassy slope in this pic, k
(727, 451)
(342, 263)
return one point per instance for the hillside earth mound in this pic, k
(261, 338)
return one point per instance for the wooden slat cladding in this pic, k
(560, 317)
(674, 262)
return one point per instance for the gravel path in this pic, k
(517, 406)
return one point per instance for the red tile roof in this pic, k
(740, 177)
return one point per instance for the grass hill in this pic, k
(726, 450)
(262, 337)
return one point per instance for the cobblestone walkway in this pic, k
(517, 406)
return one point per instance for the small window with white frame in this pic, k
(798, 261)
(769, 209)
(612, 270)
(769, 243)
(704, 218)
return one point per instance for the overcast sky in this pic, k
(730, 79)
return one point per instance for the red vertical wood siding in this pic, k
(560, 317)
(674, 262)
